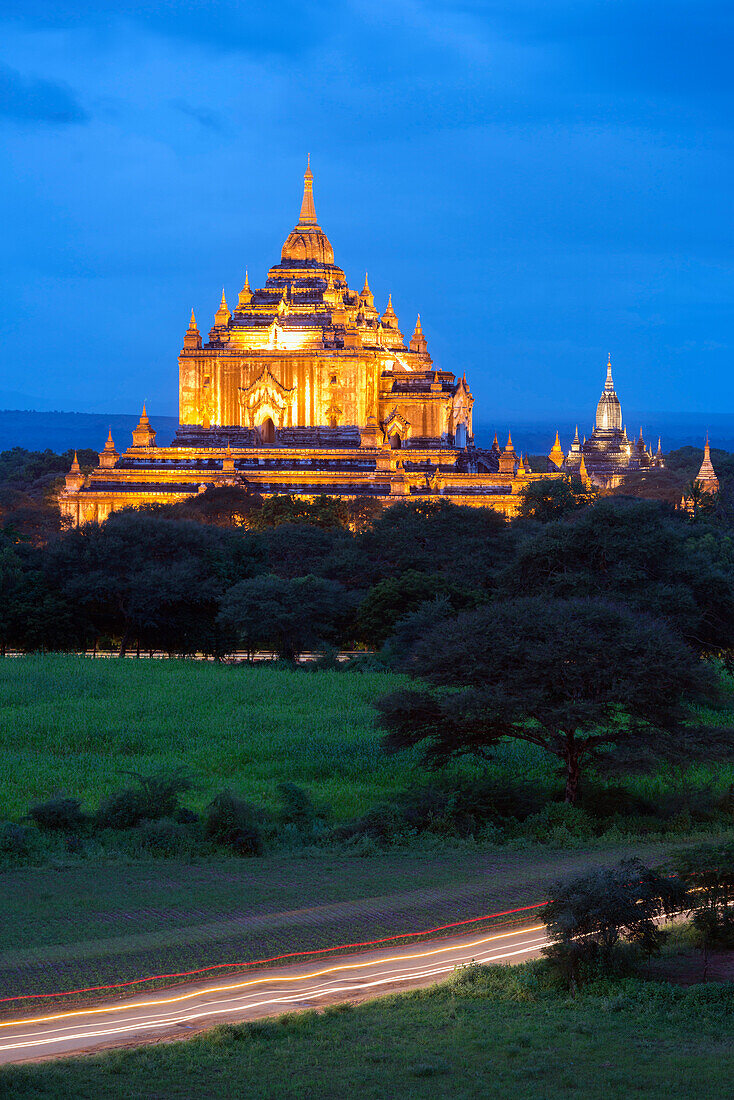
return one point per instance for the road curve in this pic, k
(179, 1012)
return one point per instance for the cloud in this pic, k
(210, 120)
(276, 27)
(32, 99)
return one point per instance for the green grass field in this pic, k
(72, 725)
(487, 1033)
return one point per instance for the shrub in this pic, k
(555, 819)
(449, 806)
(155, 797)
(185, 816)
(708, 871)
(58, 813)
(165, 837)
(13, 838)
(299, 813)
(593, 916)
(382, 824)
(235, 823)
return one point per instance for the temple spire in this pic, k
(556, 456)
(609, 384)
(308, 210)
(390, 317)
(75, 465)
(418, 342)
(144, 434)
(192, 336)
(109, 456)
(222, 316)
(245, 296)
(706, 477)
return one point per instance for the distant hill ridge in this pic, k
(60, 431)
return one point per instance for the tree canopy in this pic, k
(587, 681)
(638, 553)
(553, 497)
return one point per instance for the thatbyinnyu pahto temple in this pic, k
(305, 387)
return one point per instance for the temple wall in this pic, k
(210, 383)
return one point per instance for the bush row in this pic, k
(146, 816)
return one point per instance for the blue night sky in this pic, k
(544, 181)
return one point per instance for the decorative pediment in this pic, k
(264, 397)
(396, 424)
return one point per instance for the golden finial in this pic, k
(609, 384)
(308, 210)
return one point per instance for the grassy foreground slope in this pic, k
(72, 724)
(489, 1032)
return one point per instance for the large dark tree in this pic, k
(297, 549)
(29, 483)
(438, 537)
(584, 680)
(148, 581)
(395, 597)
(220, 505)
(634, 552)
(281, 615)
(323, 511)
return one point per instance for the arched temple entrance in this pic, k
(395, 441)
(267, 432)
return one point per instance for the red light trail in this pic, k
(274, 958)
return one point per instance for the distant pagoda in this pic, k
(608, 455)
(706, 478)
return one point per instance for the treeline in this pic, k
(313, 576)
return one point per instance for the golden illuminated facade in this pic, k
(306, 388)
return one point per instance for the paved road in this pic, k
(179, 1012)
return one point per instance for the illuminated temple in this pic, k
(608, 455)
(305, 387)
